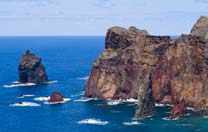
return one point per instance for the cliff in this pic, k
(31, 69)
(153, 69)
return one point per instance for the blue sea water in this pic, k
(68, 61)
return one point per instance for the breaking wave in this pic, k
(46, 99)
(19, 85)
(60, 102)
(85, 99)
(25, 104)
(51, 82)
(117, 102)
(26, 95)
(114, 102)
(132, 123)
(42, 98)
(83, 78)
(93, 121)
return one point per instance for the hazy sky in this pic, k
(93, 17)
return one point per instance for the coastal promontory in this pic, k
(153, 69)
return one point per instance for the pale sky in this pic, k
(94, 17)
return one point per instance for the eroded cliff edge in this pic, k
(153, 69)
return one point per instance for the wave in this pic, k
(83, 78)
(132, 123)
(26, 95)
(59, 102)
(131, 100)
(85, 99)
(163, 105)
(51, 82)
(19, 85)
(159, 105)
(117, 102)
(168, 118)
(114, 102)
(42, 98)
(46, 99)
(25, 104)
(15, 82)
(93, 121)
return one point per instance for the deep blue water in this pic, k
(68, 60)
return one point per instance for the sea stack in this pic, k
(31, 69)
(153, 69)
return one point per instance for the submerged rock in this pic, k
(152, 69)
(31, 69)
(56, 97)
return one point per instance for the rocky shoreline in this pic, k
(153, 69)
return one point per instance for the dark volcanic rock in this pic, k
(56, 97)
(31, 69)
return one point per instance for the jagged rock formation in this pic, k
(31, 69)
(201, 28)
(152, 69)
(56, 97)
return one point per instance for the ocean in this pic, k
(68, 61)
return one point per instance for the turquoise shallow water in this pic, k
(68, 62)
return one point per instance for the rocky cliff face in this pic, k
(31, 69)
(201, 28)
(152, 69)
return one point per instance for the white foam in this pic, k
(51, 82)
(168, 118)
(93, 121)
(24, 104)
(190, 108)
(131, 100)
(42, 98)
(132, 123)
(59, 102)
(159, 105)
(15, 82)
(26, 95)
(114, 102)
(117, 102)
(19, 85)
(205, 116)
(85, 99)
(83, 78)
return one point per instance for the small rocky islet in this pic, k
(154, 69)
(31, 69)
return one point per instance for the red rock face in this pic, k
(181, 73)
(152, 68)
